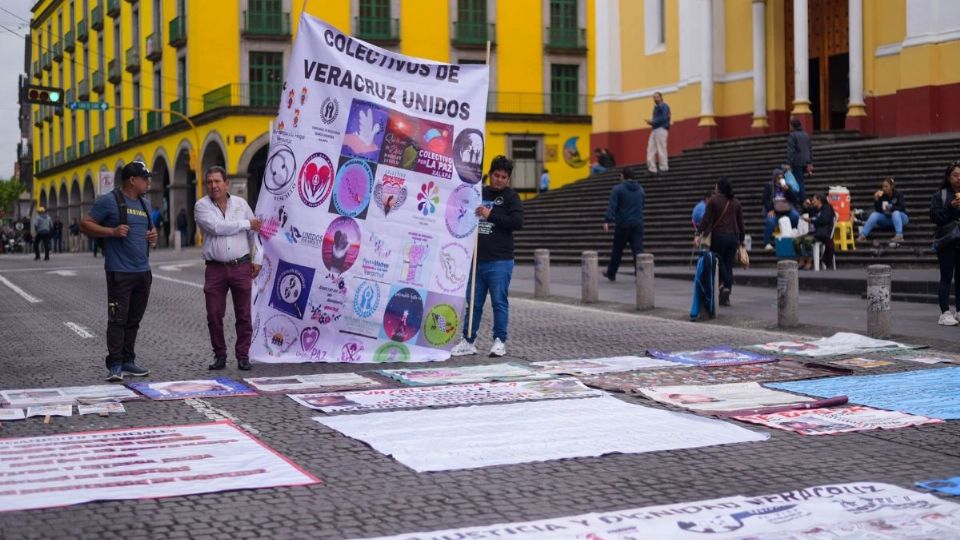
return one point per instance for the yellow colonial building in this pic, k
(734, 68)
(192, 83)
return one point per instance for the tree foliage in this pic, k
(10, 191)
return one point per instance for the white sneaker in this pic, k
(768, 247)
(948, 318)
(955, 315)
(463, 348)
(498, 349)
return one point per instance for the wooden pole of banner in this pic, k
(476, 241)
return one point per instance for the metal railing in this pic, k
(133, 128)
(68, 42)
(133, 59)
(96, 18)
(68, 97)
(154, 47)
(83, 148)
(113, 71)
(71, 153)
(45, 61)
(179, 105)
(82, 33)
(265, 94)
(560, 104)
(97, 81)
(114, 135)
(113, 8)
(57, 51)
(266, 23)
(377, 28)
(98, 142)
(83, 90)
(565, 37)
(36, 69)
(154, 120)
(473, 33)
(177, 31)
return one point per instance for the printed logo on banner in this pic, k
(365, 130)
(272, 225)
(315, 180)
(367, 312)
(327, 304)
(366, 299)
(351, 351)
(392, 352)
(428, 199)
(341, 245)
(468, 155)
(461, 214)
(309, 337)
(264, 278)
(329, 110)
(376, 259)
(440, 325)
(279, 334)
(403, 314)
(416, 264)
(390, 191)
(418, 144)
(291, 288)
(453, 267)
(279, 172)
(353, 188)
(311, 345)
(303, 238)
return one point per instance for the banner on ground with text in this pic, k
(367, 204)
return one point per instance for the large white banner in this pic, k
(136, 464)
(856, 511)
(368, 200)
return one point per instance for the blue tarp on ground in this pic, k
(949, 486)
(929, 392)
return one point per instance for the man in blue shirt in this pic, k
(657, 143)
(545, 181)
(126, 260)
(625, 211)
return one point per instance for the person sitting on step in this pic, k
(821, 224)
(889, 211)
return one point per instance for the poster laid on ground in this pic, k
(70, 395)
(199, 388)
(926, 392)
(837, 420)
(50, 410)
(465, 374)
(862, 510)
(929, 358)
(723, 397)
(633, 381)
(861, 363)
(839, 344)
(947, 486)
(11, 414)
(613, 364)
(448, 395)
(471, 437)
(138, 464)
(368, 204)
(101, 408)
(322, 382)
(713, 357)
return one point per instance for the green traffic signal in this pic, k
(44, 95)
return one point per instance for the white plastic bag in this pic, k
(786, 229)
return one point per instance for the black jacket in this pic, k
(626, 204)
(799, 151)
(941, 213)
(823, 223)
(495, 238)
(897, 202)
(770, 191)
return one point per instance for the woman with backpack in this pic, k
(945, 214)
(723, 221)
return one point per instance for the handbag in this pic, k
(743, 258)
(705, 237)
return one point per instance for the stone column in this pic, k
(541, 273)
(759, 65)
(706, 75)
(788, 294)
(879, 280)
(856, 109)
(589, 273)
(645, 282)
(801, 75)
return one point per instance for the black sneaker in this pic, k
(116, 374)
(724, 297)
(132, 369)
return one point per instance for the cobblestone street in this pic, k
(364, 493)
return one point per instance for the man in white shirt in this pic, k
(229, 247)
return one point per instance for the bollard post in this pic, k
(177, 240)
(879, 280)
(645, 284)
(589, 272)
(541, 273)
(788, 294)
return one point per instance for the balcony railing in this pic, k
(113, 71)
(379, 29)
(266, 95)
(58, 111)
(36, 167)
(567, 38)
(36, 69)
(133, 128)
(154, 47)
(528, 103)
(45, 61)
(473, 34)
(58, 158)
(98, 143)
(177, 31)
(71, 153)
(68, 97)
(47, 112)
(45, 163)
(113, 8)
(57, 51)
(114, 135)
(98, 81)
(83, 34)
(83, 148)
(266, 24)
(83, 90)
(96, 18)
(133, 60)
(154, 120)
(68, 42)
(38, 117)
(179, 105)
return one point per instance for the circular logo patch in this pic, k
(403, 315)
(279, 334)
(441, 325)
(315, 180)
(366, 299)
(468, 155)
(341, 245)
(279, 171)
(460, 215)
(329, 110)
(354, 184)
(392, 352)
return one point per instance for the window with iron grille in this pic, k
(564, 85)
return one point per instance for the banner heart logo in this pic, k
(309, 337)
(319, 176)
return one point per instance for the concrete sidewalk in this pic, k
(752, 307)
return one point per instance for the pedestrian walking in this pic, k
(723, 221)
(232, 262)
(625, 212)
(657, 143)
(57, 236)
(74, 229)
(501, 213)
(122, 220)
(43, 229)
(545, 180)
(945, 214)
(182, 227)
(799, 156)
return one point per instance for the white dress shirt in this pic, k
(227, 235)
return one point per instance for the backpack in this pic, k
(122, 210)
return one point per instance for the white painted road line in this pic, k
(177, 267)
(23, 294)
(80, 330)
(213, 413)
(65, 273)
(180, 281)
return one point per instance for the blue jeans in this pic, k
(492, 277)
(896, 221)
(770, 223)
(597, 169)
(798, 174)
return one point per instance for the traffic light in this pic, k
(44, 95)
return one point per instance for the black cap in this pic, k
(135, 168)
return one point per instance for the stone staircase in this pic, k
(568, 221)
